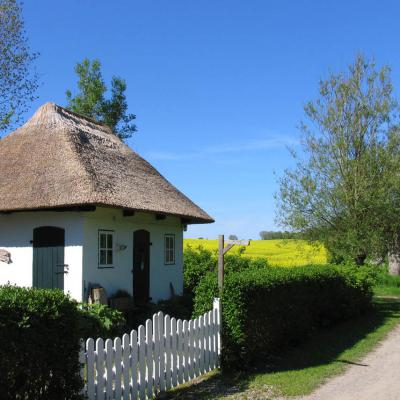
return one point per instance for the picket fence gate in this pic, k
(157, 357)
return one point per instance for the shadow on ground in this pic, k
(323, 347)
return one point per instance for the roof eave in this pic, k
(86, 207)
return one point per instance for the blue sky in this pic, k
(218, 86)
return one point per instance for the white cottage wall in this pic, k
(16, 234)
(120, 276)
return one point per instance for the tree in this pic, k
(18, 80)
(90, 100)
(233, 237)
(274, 235)
(344, 190)
(269, 235)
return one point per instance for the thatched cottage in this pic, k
(79, 208)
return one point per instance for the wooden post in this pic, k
(220, 262)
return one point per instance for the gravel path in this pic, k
(376, 377)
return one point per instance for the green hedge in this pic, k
(39, 344)
(197, 262)
(265, 310)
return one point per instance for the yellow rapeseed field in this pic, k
(284, 253)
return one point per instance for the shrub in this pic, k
(39, 344)
(98, 320)
(265, 310)
(198, 262)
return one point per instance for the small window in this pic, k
(169, 249)
(106, 252)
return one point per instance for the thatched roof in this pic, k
(62, 159)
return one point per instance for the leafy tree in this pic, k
(271, 235)
(233, 237)
(91, 102)
(18, 80)
(345, 189)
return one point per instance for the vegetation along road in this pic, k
(336, 363)
(375, 377)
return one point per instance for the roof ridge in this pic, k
(51, 114)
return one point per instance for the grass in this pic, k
(387, 285)
(387, 291)
(285, 253)
(299, 371)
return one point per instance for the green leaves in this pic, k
(338, 191)
(267, 309)
(18, 80)
(39, 344)
(91, 102)
(98, 320)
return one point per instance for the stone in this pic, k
(5, 256)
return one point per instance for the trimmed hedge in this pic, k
(197, 262)
(265, 310)
(39, 344)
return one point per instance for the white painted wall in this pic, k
(81, 247)
(120, 277)
(16, 233)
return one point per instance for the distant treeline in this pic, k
(269, 235)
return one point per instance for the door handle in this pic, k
(65, 269)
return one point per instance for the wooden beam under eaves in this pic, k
(128, 213)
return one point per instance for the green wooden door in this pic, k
(48, 257)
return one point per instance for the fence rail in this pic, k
(157, 357)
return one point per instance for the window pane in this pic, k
(169, 249)
(167, 257)
(103, 256)
(102, 240)
(109, 241)
(109, 257)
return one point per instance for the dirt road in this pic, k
(376, 377)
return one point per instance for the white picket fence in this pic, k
(159, 356)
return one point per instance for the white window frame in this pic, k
(170, 250)
(106, 249)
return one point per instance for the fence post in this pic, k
(220, 263)
(82, 361)
(217, 306)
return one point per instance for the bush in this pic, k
(39, 344)
(198, 262)
(98, 320)
(265, 310)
